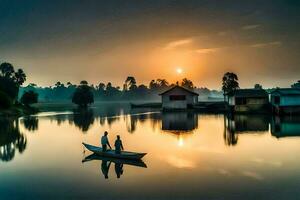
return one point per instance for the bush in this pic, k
(5, 100)
(83, 95)
(29, 97)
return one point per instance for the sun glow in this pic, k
(179, 70)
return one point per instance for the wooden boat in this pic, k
(137, 163)
(113, 154)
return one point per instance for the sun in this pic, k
(179, 70)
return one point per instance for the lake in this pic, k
(190, 155)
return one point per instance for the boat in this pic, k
(112, 154)
(137, 163)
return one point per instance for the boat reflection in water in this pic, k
(285, 126)
(118, 164)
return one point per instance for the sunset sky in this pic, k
(102, 41)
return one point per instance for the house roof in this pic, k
(249, 93)
(287, 91)
(183, 88)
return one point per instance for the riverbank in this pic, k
(18, 110)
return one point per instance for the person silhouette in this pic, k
(119, 169)
(118, 145)
(105, 142)
(105, 165)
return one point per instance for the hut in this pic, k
(285, 101)
(248, 100)
(178, 98)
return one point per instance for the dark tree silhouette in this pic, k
(187, 83)
(229, 83)
(7, 70)
(296, 85)
(20, 77)
(10, 81)
(130, 83)
(29, 97)
(163, 83)
(83, 95)
(258, 86)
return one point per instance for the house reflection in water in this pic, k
(285, 126)
(239, 124)
(248, 123)
(179, 121)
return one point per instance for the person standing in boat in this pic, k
(118, 145)
(105, 142)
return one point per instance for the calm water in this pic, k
(190, 156)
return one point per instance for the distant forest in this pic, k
(129, 92)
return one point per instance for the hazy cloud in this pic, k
(261, 45)
(178, 43)
(250, 27)
(207, 50)
(253, 175)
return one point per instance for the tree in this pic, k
(130, 83)
(29, 97)
(296, 85)
(83, 96)
(153, 85)
(7, 70)
(230, 83)
(187, 83)
(162, 83)
(20, 77)
(258, 86)
(10, 81)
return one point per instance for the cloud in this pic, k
(250, 27)
(267, 44)
(253, 175)
(178, 43)
(208, 50)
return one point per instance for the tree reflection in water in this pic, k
(10, 139)
(230, 137)
(31, 123)
(83, 119)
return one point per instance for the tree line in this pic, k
(130, 90)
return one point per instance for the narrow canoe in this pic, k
(137, 163)
(112, 153)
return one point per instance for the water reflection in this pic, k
(239, 124)
(83, 119)
(179, 121)
(11, 139)
(118, 164)
(31, 123)
(285, 126)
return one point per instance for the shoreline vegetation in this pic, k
(18, 111)
(16, 100)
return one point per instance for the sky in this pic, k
(106, 41)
